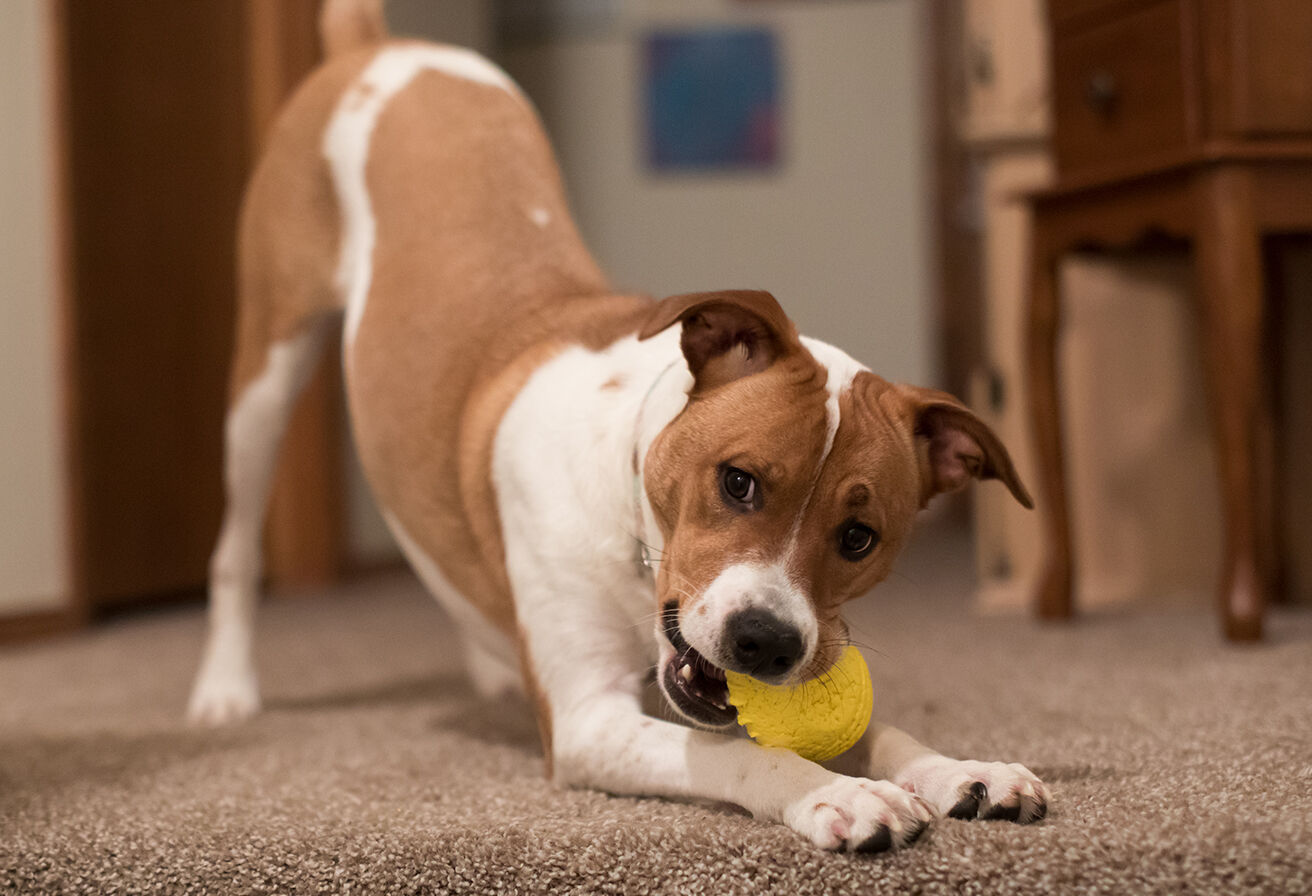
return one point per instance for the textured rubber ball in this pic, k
(817, 719)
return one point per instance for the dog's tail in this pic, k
(347, 24)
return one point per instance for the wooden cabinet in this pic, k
(1119, 90)
(1258, 57)
(1189, 120)
(1142, 85)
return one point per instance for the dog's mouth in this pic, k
(693, 685)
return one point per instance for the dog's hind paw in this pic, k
(860, 815)
(225, 691)
(968, 789)
(221, 701)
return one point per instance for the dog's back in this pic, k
(402, 175)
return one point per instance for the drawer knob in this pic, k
(1102, 91)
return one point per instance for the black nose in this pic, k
(762, 644)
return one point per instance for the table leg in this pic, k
(1053, 600)
(1228, 264)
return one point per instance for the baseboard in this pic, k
(39, 624)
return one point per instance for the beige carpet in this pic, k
(1178, 764)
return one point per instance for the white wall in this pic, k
(467, 23)
(839, 231)
(34, 570)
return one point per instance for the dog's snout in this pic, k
(761, 644)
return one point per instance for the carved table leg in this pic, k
(1228, 262)
(1053, 600)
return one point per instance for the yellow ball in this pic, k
(817, 719)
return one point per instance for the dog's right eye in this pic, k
(856, 540)
(739, 487)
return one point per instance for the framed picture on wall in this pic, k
(712, 98)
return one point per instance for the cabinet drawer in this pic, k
(1119, 90)
(1265, 67)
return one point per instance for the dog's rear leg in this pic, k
(225, 688)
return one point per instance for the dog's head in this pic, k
(786, 487)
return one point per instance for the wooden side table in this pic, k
(1201, 141)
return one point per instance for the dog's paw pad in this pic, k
(880, 841)
(1002, 812)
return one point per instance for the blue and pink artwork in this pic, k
(712, 99)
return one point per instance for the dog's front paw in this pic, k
(860, 815)
(967, 789)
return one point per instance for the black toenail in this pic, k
(968, 805)
(916, 832)
(1002, 813)
(880, 841)
(1040, 812)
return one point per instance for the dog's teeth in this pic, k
(685, 672)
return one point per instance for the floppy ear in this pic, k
(727, 334)
(955, 446)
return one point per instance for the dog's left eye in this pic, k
(739, 486)
(855, 540)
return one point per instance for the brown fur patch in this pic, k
(287, 240)
(742, 424)
(872, 457)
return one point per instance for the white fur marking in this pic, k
(346, 144)
(225, 689)
(571, 533)
(743, 586)
(840, 370)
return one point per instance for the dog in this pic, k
(595, 485)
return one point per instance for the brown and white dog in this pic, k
(593, 484)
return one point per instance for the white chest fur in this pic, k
(563, 471)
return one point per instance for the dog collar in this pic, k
(644, 557)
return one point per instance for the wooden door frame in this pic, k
(305, 540)
(76, 609)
